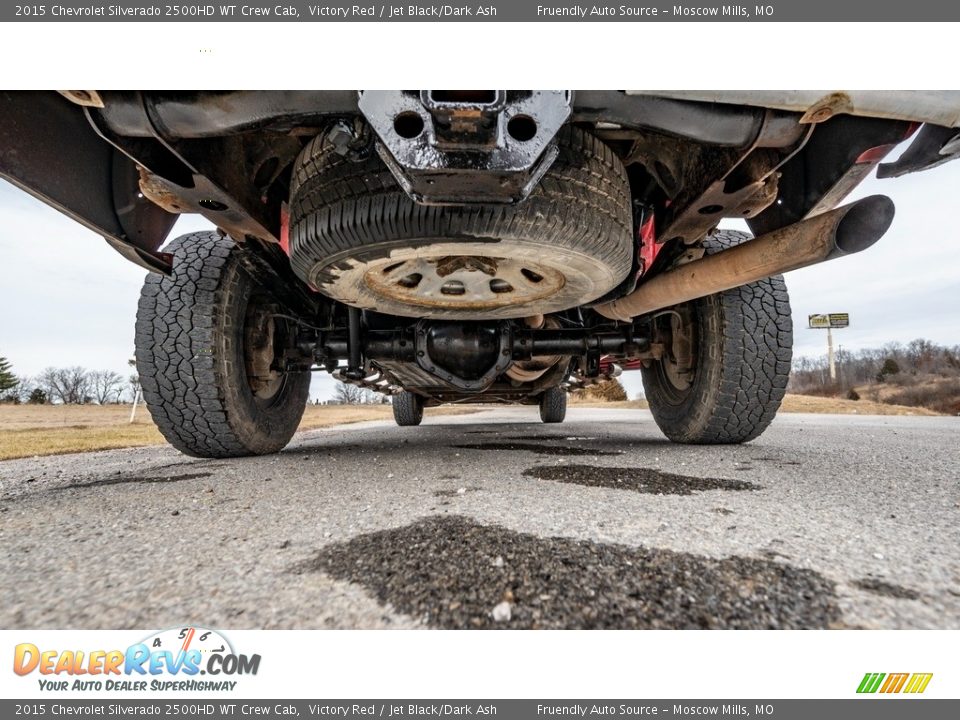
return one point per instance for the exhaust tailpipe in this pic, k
(843, 231)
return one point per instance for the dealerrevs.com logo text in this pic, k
(168, 660)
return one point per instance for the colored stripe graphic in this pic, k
(870, 682)
(895, 683)
(918, 682)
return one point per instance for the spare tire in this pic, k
(356, 236)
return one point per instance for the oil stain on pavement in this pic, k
(637, 479)
(886, 589)
(536, 448)
(127, 480)
(453, 573)
(541, 438)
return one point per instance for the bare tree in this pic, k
(26, 387)
(133, 380)
(105, 386)
(19, 391)
(918, 361)
(68, 385)
(922, 354)
(133, 386)
(345, 394)
(371, 397)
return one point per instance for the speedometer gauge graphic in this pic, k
(183, 639)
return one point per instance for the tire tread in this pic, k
(179, 319)
(753, 330)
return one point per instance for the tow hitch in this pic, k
(461, 147)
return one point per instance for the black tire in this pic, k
(351, 224)
(743, 341)
(407, 408)
(553, 405)
(191, 346)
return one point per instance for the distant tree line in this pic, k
(66, 385)
(919, 373)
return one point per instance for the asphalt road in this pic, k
(494, 520)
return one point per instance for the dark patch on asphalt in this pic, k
(723, 511)
(120, 480)
(778, 461)
(534, 448)
(886, 589)
(330, 448)
(189, 465)
(452, 573)
(774, 555)
(549, 437)
(643, 480)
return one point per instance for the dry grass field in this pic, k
(27, 430)
(801, 404)
(842, 406)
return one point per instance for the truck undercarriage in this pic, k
(467, 246)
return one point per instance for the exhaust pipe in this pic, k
(843, 231)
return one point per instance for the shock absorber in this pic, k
(354, 369)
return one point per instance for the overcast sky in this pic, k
(67, 298)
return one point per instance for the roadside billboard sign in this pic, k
(829, 320)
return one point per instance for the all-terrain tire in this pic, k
(744, 344)
(553, 405)
(346, 216)
(190, 344)
(407, 408)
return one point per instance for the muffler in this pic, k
(843, 231)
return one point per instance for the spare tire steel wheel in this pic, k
(356, 236)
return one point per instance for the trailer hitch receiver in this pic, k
(463, 147)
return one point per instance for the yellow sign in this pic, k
(829, 320)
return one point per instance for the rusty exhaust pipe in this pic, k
(843, 231)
